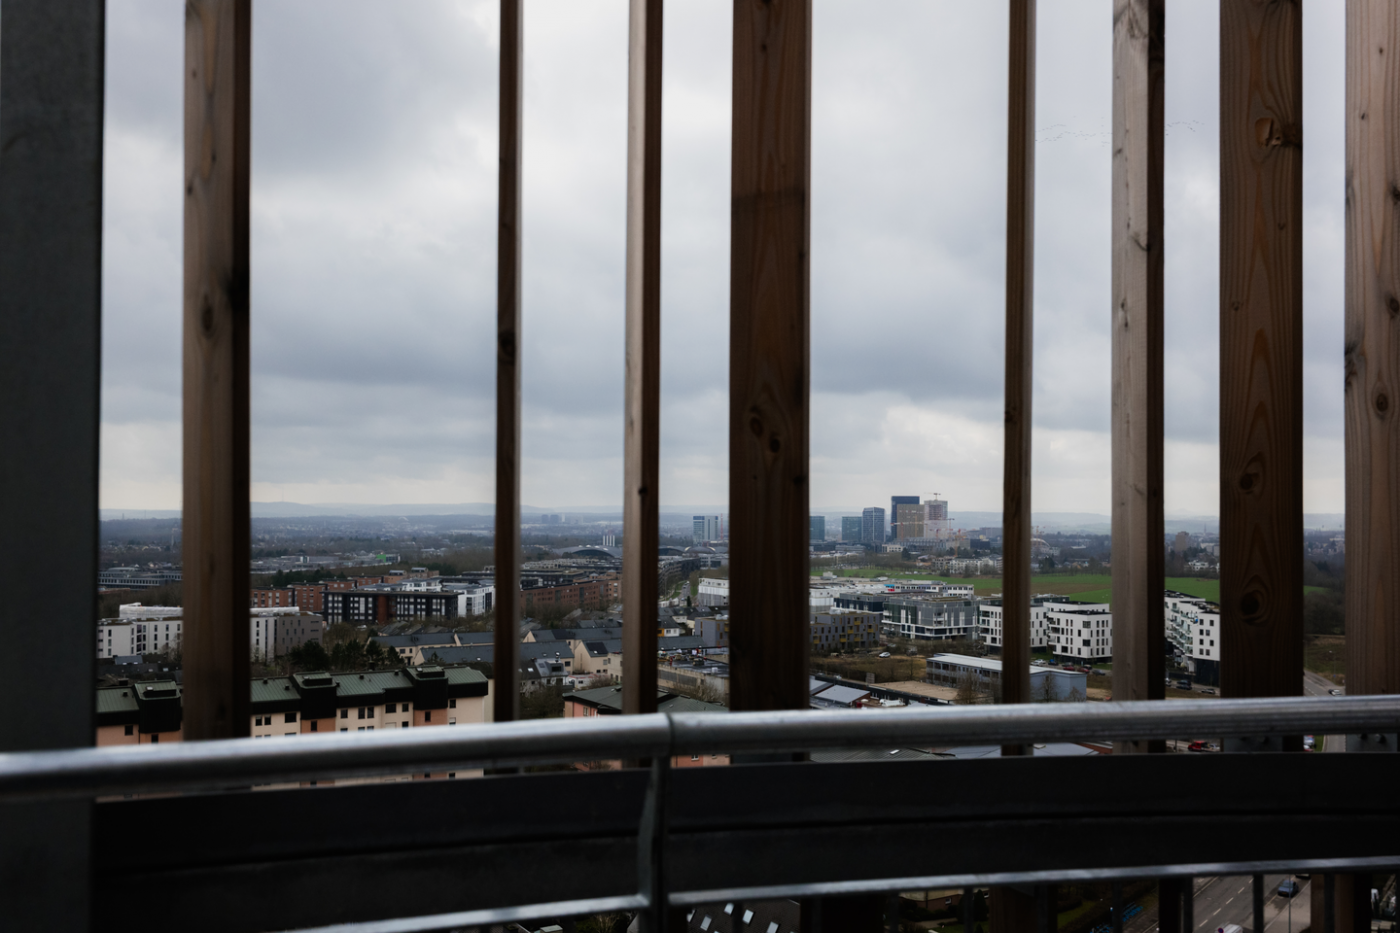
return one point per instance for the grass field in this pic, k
(1086, 587)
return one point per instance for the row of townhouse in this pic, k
(271, 632)
(303, 704)
(1193, 636)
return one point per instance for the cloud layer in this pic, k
(373, 251)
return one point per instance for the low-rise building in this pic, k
(844, 629)
(980, 678)
(1080, 632)
(713, 591)
(307, 703)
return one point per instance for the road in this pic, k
(1315, 685)
(1221, 901)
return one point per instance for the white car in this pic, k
(1335, 692)
(884, 654)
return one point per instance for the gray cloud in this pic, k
(374, 188)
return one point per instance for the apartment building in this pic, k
(844, 629)
(989, 621)
(1193, 632)
(268, 599)
(583, 594)
(147, 713)
(271, 632)
(713, 591)
(1080, 632)
(380, 606)
(929, 617)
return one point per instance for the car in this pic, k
(1198, 747)
(1288, 887)
(1183, 684)
(1334, 692)
(1209, 690)
(884, 654)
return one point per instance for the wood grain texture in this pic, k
(769, 353)
(506, 664)
(1372, 346)
(218, 36)
(643, 359)
(1261, 307)
(1020, 331)
(1139, 664)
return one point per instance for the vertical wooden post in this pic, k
(1372, 347)
(1261, 375)
(218, 36)
(1020, 262)
(1139, 663)
(1372, 358)
(505, 664)
(51, 114)
(769, 353)
(1013, 911)
(643, 377)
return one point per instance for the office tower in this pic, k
(706, 528)
(872, 526)
(895, 503)
(818, 527)
(909, 521)
(850, 529)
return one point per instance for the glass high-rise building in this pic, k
(850, 529)
(706, 528)
(872, 526)
(818, 526)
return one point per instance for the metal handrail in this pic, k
(187, 766)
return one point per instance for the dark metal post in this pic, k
(1117, 907)
(967, 913)
(1188, 905)
(1258, 904)
(51, 112)
(1329, 903)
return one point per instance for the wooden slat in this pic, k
(1016, 469)
(1372, 347)
(643, 377)
(51, 111)
(506, 661)
(218, 36)
(1261, 384)
(1139, 663)
(769, 353)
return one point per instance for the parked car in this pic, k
(1210, 690)
(1335, 692)
(1198, 747)
(884, 654)
(1288, 887)
(1183, 684)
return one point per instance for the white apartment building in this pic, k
(128, 636)
(138, 611)
(713, 592)
(1081, 632)
(989, 624)
(1193, 630)
(271, 632)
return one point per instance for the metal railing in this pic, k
(184, 766)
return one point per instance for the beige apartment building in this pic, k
(148, 713)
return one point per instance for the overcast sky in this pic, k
(373, 252)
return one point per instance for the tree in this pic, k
(1046, 692)
(310, 656)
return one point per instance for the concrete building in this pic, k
(275, 632)
(930, 617)
(983, 677)
(989, 623)
(909, 522)
(268, 599)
